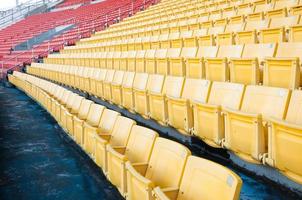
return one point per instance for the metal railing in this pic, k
(19, 12)
(95, 25)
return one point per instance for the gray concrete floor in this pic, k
(38, 160)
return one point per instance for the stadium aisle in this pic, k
(35, 161)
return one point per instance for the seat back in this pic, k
(167, 163)
(230, 51)
(70, 100)
(188, 52)
(102, 75)
(140, 81)
(196, 89)
(94, 114)
(173, 52)
(285, 3)
(268, 101)
(155, 83)
(118, 77)
(259, 51)
(295, 108)
(109, 76)
(216, 30)
(226, 94)
(284, 72)
(107, 121)
(173, 86)
(65, 97)
(140, 144)
(76, 104)
(207, 51)
(234, 27)
(121, 131)
(284, 21)
(256, 25)
(128, 79)
(204, 179)
(200, 32)
(84, 108)
(289, 50)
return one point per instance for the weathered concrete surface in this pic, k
(38, 160)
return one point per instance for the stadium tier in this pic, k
(226, 72)
(85, 20)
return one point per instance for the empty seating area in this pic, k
(227, 72)
(135, 159)
(87, 19)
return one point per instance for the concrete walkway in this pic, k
(37, 159)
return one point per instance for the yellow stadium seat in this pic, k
(92, 81)
(107, 84)
(215, 15)
(69, 113)
(118, 138)
(277, 29)
(209, 39)
(97, 82)
(180, 113)
(140, 91)
(217, 69)
(284, 70)
(296, 10)
(165, 169)
(295, 33)
(177, 62)
(163, 41)
(249, 35)
(123, 61)
(104, 128)
(245, 9)
(140, 61)
(284, 140)
(227, 38)
(176, 40)
(62, 102)
(193, 40)
(154, 84)
(78, 120)
(137, 151)
(208, 118)
(246, 129)
(162, 61)
(158, 105)
(109, 60)
(195, 66)
(127, 91)
(155, 42)
(115, 87)
(150, 61)
(247, 70)
(131, 60)
(203, 179)
(116, 58)
(285, 4)
(185, 35)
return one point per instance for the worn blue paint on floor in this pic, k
(38, 160)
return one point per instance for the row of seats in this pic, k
(203, 37)
(258, 123)
(248, 64)
(135, 159)
(197, 21)
(285, 29)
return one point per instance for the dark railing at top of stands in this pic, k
(80, 35)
